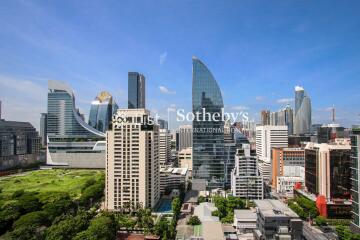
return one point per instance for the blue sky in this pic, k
(257, 50)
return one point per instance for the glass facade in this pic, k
(355, 158)
(208, 136)
(302, 116)
(136, 90)
(101, 111)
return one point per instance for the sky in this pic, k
(258, 51)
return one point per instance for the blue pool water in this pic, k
(164, 206)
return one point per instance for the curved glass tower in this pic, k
(208, 135)
(302, 115)
(101, 111)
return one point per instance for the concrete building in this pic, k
(172, 178)
(185, 137)
(19, 145)
(355, 192)
(71, 141)
(246, 182)
(265, 117)
(288, 162)
(245, 221)
(276, 221)
(328, 170)
(185, 159)
(285, 184)
(43, 129)
(132, 162)
(267, 138)
(164, 147)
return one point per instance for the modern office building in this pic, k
(173, 178)
(327, 169)
(329, 132)
(289, 162)
(19, 145)
(0, 110)
(267, 138)
(163, 124)
(302, 115)
(71, 141)
(283, 117)
(185, 137)
(230, 146)
(185, 159)
(136, 90)
(355, 192)
(208, 135)
(275, 220)
(246, 181)
(164, 147)
(132, 161)
(101, 111)
(265, 117)
(43, 129)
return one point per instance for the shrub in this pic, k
(194, 220)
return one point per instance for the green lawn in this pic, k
(47, 182)
(197, 230)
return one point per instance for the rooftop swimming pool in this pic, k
(164, 206)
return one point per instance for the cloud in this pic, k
(166, 90)
(239, 108)
(285, 100)
(259, 98)
(163, 57)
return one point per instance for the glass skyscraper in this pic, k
(302, 115)
(101, 111)
(136, 90)
(208, 136)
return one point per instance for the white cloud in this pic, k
(259, 98)
(163, 57)
(240, 108)
(285, 100)
(299, 88)
(166, 90)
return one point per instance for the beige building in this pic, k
(164, 147)
(185, 158)
(132, 160)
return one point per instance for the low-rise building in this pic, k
(245, 220)
(285, 185)
(172, 178)
(275, 220)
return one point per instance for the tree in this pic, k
(162, 229)
(201, 199)
(102, 227)
(36, 219)
(176, 206)
(320, 221)
(194, 220)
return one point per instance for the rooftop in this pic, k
(204, 210)
(245, 214)
(272, 208)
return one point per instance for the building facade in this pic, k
(164, 147)
(132, 161)
(43, 129)
(173, 178)
(185, 159)
(71, 141)
(101, 111)
(19, 145)
(302, 115)
(246, 181)
(208, 135)
(355, 192)
(136, 90)
(185, 137)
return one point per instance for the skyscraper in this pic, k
(43, 128)
(265, 117)
(101, 111)
(132, 176)
(185, 137)
(164, 147)
(136, 90)
(72, 142)
(302, 115)
(285, 117)
(208, 135)
(355, 192)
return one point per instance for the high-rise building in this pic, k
(246, 181)
(287, 162)
(132, 161)
(43, 129)
(327, 171)
(136, 90)
(267, 138)
(265, 117)
(229, 152)
(0, 109)
(328, 133)
(185, 137)
(355, 174)
(163, 124)
(101, 111)
(302, 115)
(208, 135)
(285, 117)
(71, 141)
(19, 144)
(185, 159)
(164, 147)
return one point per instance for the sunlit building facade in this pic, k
(302, 115)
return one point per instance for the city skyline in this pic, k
(320, 54)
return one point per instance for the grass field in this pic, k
(47, 182)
